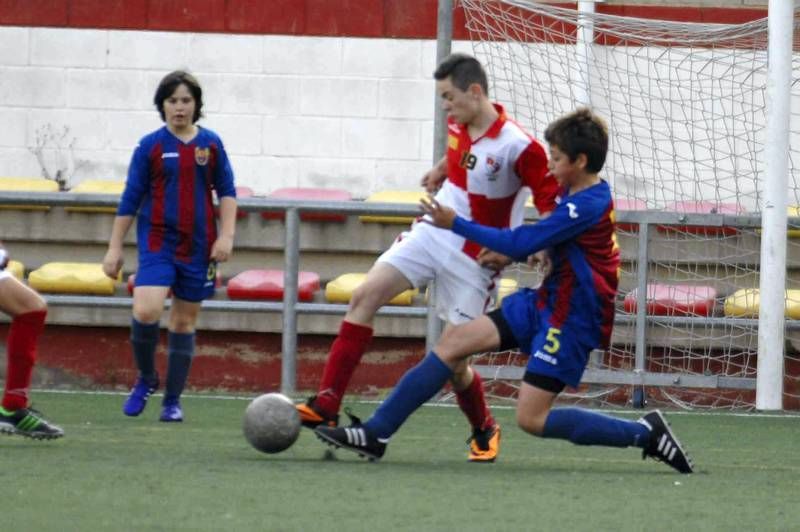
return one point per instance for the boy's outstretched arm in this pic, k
(561, 225)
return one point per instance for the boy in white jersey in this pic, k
(490, 166)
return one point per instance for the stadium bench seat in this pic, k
(241, 193)
(701, 207)
(410, 197)
(268, 284)
(674, 300)
(71, 278)
(794, 211)
(624, 204)
(310, 194)
(340, 290)
(745, 303)
(132, 282)
(792, 231)
(16, 268)
(505, 287)
(97, 186)
(27, 184)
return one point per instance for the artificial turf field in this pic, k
(116, 473)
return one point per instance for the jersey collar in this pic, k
(495, 128)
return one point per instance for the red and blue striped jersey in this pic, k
(580, 236)
(169, 186)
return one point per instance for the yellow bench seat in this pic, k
(71, 278)
(410, 197)
(340, 290)
(745, 303)
(98, 186)
(27, 184)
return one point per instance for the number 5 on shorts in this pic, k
(553, 344)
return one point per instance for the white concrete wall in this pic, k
(293, 111)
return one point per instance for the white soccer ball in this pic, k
(271, 423)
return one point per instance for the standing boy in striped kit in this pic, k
(171, 178)
(490, 166)
(557, 325)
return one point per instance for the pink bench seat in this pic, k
(268, 284)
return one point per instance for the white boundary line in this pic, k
(789, 415)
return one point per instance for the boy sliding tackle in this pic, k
(490, 164)
(557, 325)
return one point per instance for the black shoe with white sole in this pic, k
(354, 438)
(663, 445)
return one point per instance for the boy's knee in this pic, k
(532, 424)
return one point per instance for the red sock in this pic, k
(21, 353)
(345, 354)
(472, 402)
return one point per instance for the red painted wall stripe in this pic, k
(347, 18)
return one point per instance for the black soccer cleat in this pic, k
(663, 445)
(312, 417)
(353, 438)
(29, 423)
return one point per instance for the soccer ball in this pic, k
(271, 423)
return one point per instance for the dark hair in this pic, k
(580, 132)
(168, 85)
(463, 70)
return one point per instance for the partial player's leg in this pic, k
(462, 294)
(180, 351)
(28, 311)
(149, 294)
(419, 384)
(383, 282)
(193, 283)
(536, 416)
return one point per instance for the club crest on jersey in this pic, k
(201, 156)
(452, 142)
(493, 165)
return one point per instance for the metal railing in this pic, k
(291, 308)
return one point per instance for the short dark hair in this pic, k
(580, 131)
(168, 85)
(463, 70)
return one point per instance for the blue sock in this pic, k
(181, 350)
(583, 427)
(144, 340)
(419, 384)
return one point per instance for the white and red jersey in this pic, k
(489, 178)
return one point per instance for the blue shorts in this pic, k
(560, 353)
(190, 282)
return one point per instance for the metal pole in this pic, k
(291, 257)
(769, 390)
(583, 47)
(642, 264)
(444, 40)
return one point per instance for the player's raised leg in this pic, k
(148, 304)
(383, 282)
(28, 311)
(419, 384)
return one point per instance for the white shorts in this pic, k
(464, 289)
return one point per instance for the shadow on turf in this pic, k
(625, 468)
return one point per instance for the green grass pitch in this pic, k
(116, 473)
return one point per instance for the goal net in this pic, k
(685, 104)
